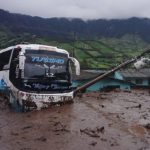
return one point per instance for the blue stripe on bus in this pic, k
(3, 84)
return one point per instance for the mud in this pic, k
(117, 120)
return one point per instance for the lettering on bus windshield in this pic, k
(48, 60)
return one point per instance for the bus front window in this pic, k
(47, 68)
(46, 64)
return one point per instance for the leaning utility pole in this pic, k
(85, 86)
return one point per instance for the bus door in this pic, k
(14, 74)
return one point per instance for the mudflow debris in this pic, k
(99, 120)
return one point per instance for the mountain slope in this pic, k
(63, 28)
(95, 43)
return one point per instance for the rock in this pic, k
(103, 97)
(147, 126)
(26, 127)
(144, 122)
(102, 105)
(90, 132)
(104, 140)
(101, 129)
(14, 133)
(93, 143)
(42, 138)
(60, 127)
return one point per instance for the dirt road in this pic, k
(96, 121)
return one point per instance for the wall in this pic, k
(104, 84)
(118, 75)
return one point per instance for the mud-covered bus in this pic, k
(36, 75)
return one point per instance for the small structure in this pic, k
(124, 79)
(140, 78)
(110, 82)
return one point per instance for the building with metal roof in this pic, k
(141, 78)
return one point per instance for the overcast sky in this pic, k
(86, 9)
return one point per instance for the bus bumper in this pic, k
(44, 100)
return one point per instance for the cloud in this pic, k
(86, 9)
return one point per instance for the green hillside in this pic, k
(100, 53)
(97, 43)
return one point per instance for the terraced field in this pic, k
(101, 53)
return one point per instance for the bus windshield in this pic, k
(45, 64)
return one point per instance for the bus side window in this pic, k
(4, 60)
(13, 65)
(15, 56)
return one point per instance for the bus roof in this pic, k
(36, 47)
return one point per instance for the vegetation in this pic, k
(103, 53)
(95, 43)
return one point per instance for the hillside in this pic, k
(63, 28)
(95, 43)
(103, 53)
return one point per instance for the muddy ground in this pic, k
(116, 120)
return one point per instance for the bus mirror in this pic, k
(76, 64)
(21, 60)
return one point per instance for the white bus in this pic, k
(36, 75)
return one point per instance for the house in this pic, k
(110, 82)
(140, 78)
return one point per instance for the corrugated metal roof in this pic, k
(91, 74)
(128, 73)
(84, 75)
(133, 73)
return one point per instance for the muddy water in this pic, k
(114, 121)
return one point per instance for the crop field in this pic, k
(102, 53)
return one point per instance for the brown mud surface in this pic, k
(116, 120)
